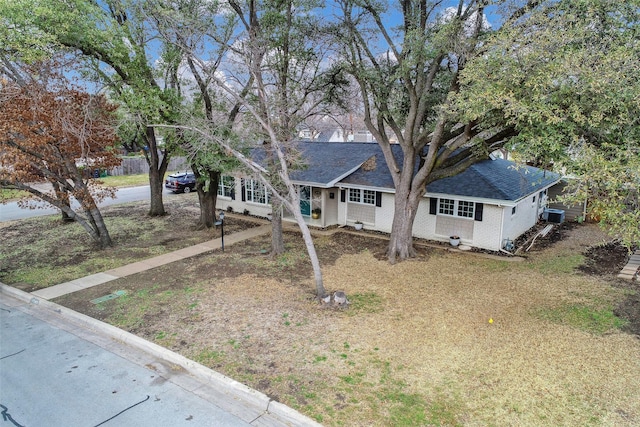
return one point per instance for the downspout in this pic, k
(501, 228)
(346, 207)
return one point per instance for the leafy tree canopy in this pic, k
(51, 132)
(565, 75)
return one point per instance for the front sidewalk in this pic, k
(137, 267)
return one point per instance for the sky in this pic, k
(393, 14)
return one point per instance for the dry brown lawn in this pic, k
(415, 347)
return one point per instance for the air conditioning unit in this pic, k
(553, 215)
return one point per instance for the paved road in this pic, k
(62, 368)
(51, 377)
(11, 211)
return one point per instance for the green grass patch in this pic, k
(290, 259)
(125, 180)
(319, 359)
(8, 195)
(131, 308)
(414, 409)
(368, 302)
(209, 357)
(586, 318)
(555, 265)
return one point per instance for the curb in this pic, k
(242, 401)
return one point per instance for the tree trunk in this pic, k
(93, 223)
(401, 239)
(63, 196)
(157, 169)
(311, 251)
(207, 198)
(277, 238)
(101, 229)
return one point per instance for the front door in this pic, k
(305, 200)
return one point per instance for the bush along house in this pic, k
(491, 203)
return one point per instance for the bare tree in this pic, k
(406, 74)
(274, 71)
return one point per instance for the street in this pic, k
(11, 211)
(51, 377)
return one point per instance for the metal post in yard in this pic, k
(221, 224)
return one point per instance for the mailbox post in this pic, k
(221, 224)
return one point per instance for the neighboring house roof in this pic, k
(327, 136)
(331, 164)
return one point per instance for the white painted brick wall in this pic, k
(525, 217)
(239, 206)
(424, 226)
(486, 233)
(384, 214)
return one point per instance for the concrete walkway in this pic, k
(147, 264)
(630, 271)
(137, 267)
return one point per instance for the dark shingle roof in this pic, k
(495, 179)
(490, 179)
(327, 162)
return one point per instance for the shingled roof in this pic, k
(495, 179)
(340, 164)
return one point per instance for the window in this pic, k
(255, 192)
(465, 209)
(225, 186)
(513, 210)
(459, 208)
(447, 206)
(366, 197)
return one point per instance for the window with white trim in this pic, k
(446, 206)
(365, 197)
(256, 192)
(458, 208)
(226, 185)
(465, 209)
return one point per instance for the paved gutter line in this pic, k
(236, 398)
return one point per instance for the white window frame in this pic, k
(361, 196)
(465, 209)
(454, 208)
(255, 192)
(225, 190)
